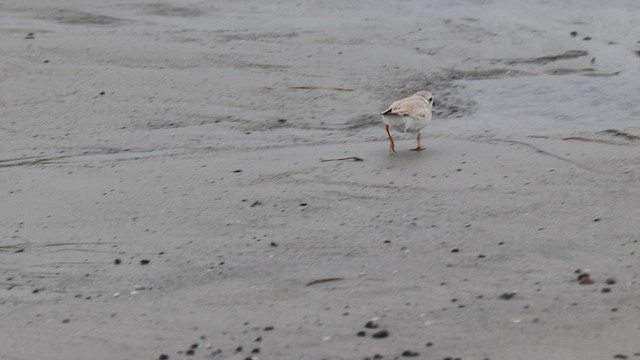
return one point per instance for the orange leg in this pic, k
(392, 145)
(418, 147)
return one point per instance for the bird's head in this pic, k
(427, 96)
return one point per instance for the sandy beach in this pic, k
(180, 180)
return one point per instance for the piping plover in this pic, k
(410, 114)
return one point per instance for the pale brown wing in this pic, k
(407, 107)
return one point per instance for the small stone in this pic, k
(282, 121)
(371, 324)
(455, 250)
(409, 353)
(117, 261)
(380, 334)
(586, 281)
(361, 333)
(102, 93)
(387, 241)
(144, 261)
(378, 356)
(610, 281)
(190, 352)
(66, 321)
(163, 357)
(239, 349)
(596, 219)
(583, 276)
(237, 171)
(194, 346)
(273, 244)
(258, 339)
(586, 38)
(620, 356)
(606, 290)
(268, 328)
(255, 351)
(574, 33)
(508, 295)
(429, 344)
(304, 204)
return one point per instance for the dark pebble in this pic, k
(371, 324)
(378, 356)
(46, 61)
(239, 349)
(282, 121)
(606, 290)
(620, 356)
(194, 346)
(455, 250)
(482, 256)
(255, 351)
(429, 344)
(258, 339)
(387, 241)
(144, 261)
(610, 281)
(409, 353)
(273, 244)
(583, 276)
(237, 171)
(380, 334)
(102, 93)
(508, 295)
(163, 357)
(596, 219)
(361, 333)
(117, 261)
(303, 204)
(268, 328)
(586, 38)
(190, 352)
(574, 33)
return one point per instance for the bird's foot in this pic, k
(418, 148)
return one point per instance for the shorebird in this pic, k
(410, 114)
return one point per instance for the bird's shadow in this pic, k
(405, 156)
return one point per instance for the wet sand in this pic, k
(163, 189)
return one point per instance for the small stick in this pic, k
(354, 158)
(314, 87)
(320, 281)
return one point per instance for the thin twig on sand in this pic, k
(321, 281)
(318, 87)
(354, 158)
